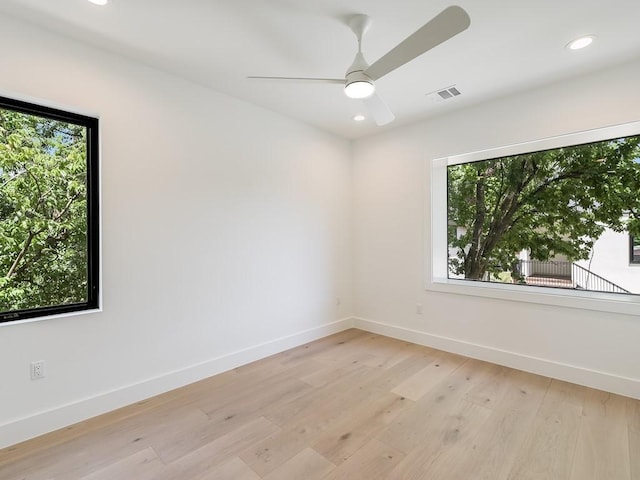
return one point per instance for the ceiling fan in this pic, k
(360, 76)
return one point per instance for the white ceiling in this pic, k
(511, 45)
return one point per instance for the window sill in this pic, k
(50, 317)
(585, 300)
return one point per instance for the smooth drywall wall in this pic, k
(391, 215)
(226, 236)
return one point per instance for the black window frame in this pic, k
(632, 257)
(93, 212)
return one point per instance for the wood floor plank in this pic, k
(549, 447)
(449, 441)
(633, 413)
(602, 450)
(234, 469)
(367, 345)
(488, 448)
(419, 384)
(495, 447)
(307, 465)
(373, 461)
(324, 374)
(330, 347)
(398, 352)
(76, 437)
(387, 379)
(523, 392)
(633, 426)
(175, 433)
(346, 380)
(634, 453)
(303, 425)
(275, 385)
(273, 452)
(418, 426)
(220, 450)
(144, 465)
(338, 443)
(565, 392)
(230, 415)
(83, 455)
(412, 466)
(310, 417)
(492, 387)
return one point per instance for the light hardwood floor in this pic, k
(351, 406)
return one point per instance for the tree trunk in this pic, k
(21, 255)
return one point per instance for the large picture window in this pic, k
(49, 219)
(555, 213)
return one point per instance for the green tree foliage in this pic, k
(43, 212)
(551, 202)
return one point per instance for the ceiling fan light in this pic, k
(359, 89)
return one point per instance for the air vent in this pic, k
(444, 94)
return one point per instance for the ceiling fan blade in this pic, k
(379, 110)
(301, 79)
(442, 27)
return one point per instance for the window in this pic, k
(526, 218)
(634, 249)
(48, 211)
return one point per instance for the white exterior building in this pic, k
(611, 258)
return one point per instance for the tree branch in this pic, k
(551, 181)
(21, 254)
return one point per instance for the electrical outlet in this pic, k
(37, 370)
(338, 301)
(419, 309)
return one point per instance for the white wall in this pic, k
(391, 225)
(226, 237)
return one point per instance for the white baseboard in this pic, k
(47, 421)
(629, 387)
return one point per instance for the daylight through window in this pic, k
(48, 211)
(558, 217)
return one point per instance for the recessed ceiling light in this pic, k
(581, 42)
(358, 118)
(99, 2)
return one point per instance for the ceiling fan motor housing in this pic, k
(357, 83)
